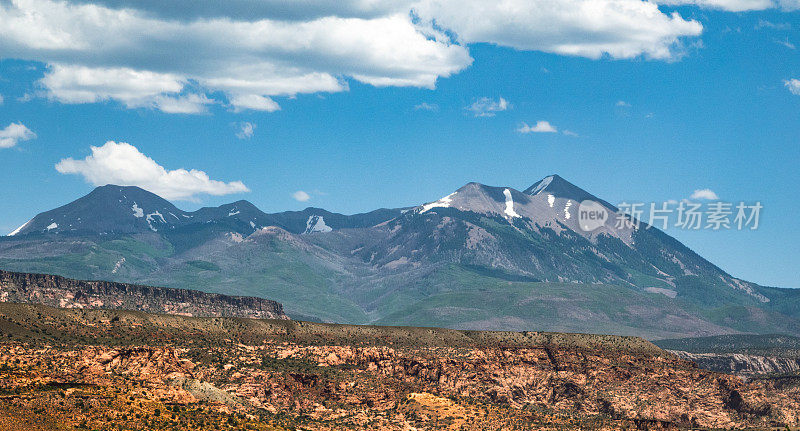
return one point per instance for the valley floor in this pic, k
(100, 369)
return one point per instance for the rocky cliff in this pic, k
(96, 369)
(743, 365)
(63, 292)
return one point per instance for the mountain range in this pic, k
(481, 257)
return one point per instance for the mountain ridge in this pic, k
(481, 257)
(144, 211)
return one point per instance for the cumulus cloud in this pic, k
(134, 88)
(301, 196)
(706, 194)
(241, 102)
(132, 52)
(183, 104)
(737, 5)
(13, 134)
(245, 130)
(247, 10)
(727, 5)
(123, 164)
(178, 56)
(587, 28)
(793, 85)
(488, 107)
(539, 127)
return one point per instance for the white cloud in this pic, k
(13, 134)
(184, 104)
(296, 10)
(123, 164)
(176, 55)
(570, 133)
(424, 106)
(793, 85)
(539, 127)
(301, 196)
(790, 5)
(737, 5)
(133, 88)
(587, 28)
(133, 52)
(727, 5)
(706, 194)
(246, 130)
(1, 99)
(623, 104)
(255, 102)
(488, 107)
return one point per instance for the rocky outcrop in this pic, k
(91, 369)
(742, 365)
(63, 292)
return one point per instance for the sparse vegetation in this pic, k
(104, 369)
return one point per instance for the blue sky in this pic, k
(716, 111)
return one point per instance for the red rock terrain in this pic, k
(69, 369)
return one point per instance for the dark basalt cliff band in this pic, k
(63, 292)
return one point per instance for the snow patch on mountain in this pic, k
(233, 213)
(316, 223)
(157, 214)
(118, 265)
(551, 200)
(567, 215)
(52, 226)
(137, 212)
(151, 219)
(441, 203)
(509, 204)
(542, 185)
(17, 230)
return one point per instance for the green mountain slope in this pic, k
(481, 258)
